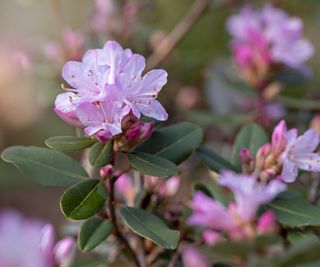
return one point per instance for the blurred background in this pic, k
(38, 36)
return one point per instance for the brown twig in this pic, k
(177, 34)
(113, 217)
(174, 259)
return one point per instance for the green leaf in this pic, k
(101, 154)
(44, 165)
(212, 190)
(83, 200)
(150, 227)
(69, 143)
(295, 212)
(175, 143)
(306, 250)
(93, 232)
(214, 161)
(251, 136)
(152, 165)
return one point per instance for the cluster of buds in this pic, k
(286, 154)
(238, 220)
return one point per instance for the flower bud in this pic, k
(262, 154)
(103, 136)
(279, 138)
(106, 171)
(211, 237)
(139, 132)
(170, 187)
(266, 223)
(64, 252)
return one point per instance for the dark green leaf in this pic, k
(152, 165)
(93, 232)
(69, 143)
(295, 212)
(101, 154)
(174, 143)
(251, 136)
(212, 190)
(83, 200)
(214, 161)
(46, 166)
(150, 226)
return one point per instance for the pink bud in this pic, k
(170, 186)
(103, 136)
(191, 257)
(266, 223)
(245, 155)
(139, 131)
(211, 237)
(106, 171)
(315, 123)
(64, 251)
(279, 137)
(262, 154)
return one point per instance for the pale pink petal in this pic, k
(289, 171)
(307, 142)
(308, 162)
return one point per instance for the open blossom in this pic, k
(30, 243)
(270, 35)
(237, 219)
(299, 154)
(106, 86)
(288, 153)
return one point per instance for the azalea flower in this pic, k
(299, 154)
(237, 218)
(28, 242)
(106, 86)
(262, 37)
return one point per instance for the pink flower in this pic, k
(125, 187)
(249, 194)
(211, 237)
(29, 243)
(191, 257)
(209, 213)
(170, 186)
(107, 85)
(299, 154)
(268, 36)
(64, 252)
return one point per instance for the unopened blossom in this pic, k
(267, 36)
(106, 86)
(266, 223)
(191, 257)
(28, 242)
(299, 154)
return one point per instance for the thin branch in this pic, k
(177, 34)
(174, 259)
(113, 216)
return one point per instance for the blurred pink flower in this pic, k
(266, 223)
(187, 97)
(29, 243)
(269, 36)
(125, 187)
(211, 237)
(170, 186)
(107, 85)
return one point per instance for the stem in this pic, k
(313, 193)
(174, 259)
(177, 34)
(113, 217)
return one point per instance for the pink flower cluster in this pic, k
(19, 235)
(267, 36)
(288, 153)
(238, 220)
(107, 86)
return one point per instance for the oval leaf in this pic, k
(93, 232)
(213, 160)
(174, 143)
(152, 165)
(69, 143)
(150, 227)
(295, 212)
(251, 136)
(46, 166)
(101, 154)
(83, 200)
